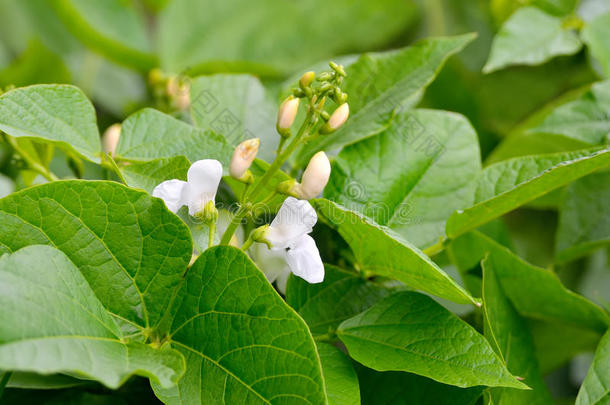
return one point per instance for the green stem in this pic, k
(436, 248)
(327, 337)
(212, 227)
(32, 163)
(260, 185)
(248, 243)
(109, 163)
(7, 376)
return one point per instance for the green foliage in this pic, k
(437, 161)
(454, 248)
(403, 333)
(266, 351)
(530, 37)
(52, 321)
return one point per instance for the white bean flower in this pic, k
(203, 178)
(288, 234)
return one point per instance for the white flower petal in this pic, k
(271, 262)
(282, 280)
(203, 178)
(304, 260)
(294, 219)
(171, 192)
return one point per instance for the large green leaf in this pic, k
(381, 84)
(595, 390)
(273, 36)
(380, 251)
(584, 219)
(149, 174)
(339, 375)
(545, 298)
(509, 184)
(510, 336)
(236, 107)
(325, 305)
(586, 119)
(131, 249)
(112, 27)
(51, 321)
(411, 332)
(150, 134)
(531, 37)
(399, 388)
(60, 114)
(596, 34)
(435, 162)
(242, 343)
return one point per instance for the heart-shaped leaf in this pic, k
(435, 162)
(52, 322)
(242, 343)
(131, 249)
(56, 113)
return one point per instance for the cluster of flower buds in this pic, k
(174, 88)
(328, 87)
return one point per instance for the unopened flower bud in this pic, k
(179, 93)
(286, 115)
(339, 96)
(243, 156)
(155, 76)
(110, 139)
(337, 119)
(337, 68)
(306, 79)
(315, 177)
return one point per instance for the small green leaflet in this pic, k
(510, 336)
(149, 134)
(52, 322)
(531, 37)
(56, 113)
(509, 184)
(411, 332)
(130, 248)
(242, 343)
(380, 251)
(435, 161)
